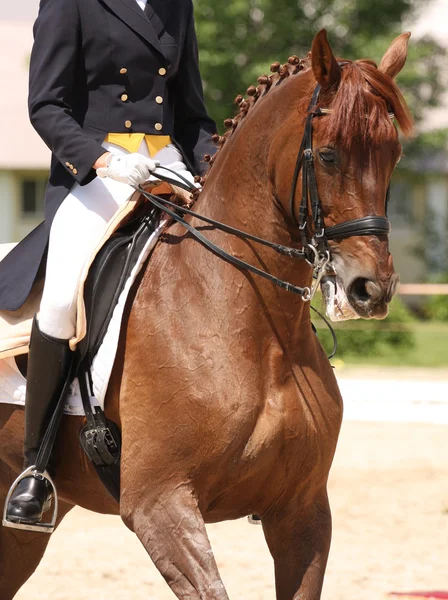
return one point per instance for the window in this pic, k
(399, 209)
(32, 196)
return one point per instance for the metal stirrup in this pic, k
(46, 527)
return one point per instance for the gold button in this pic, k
(128, 124)
(123, 71)
(158, 126)
(75, 171)
(162, 71)
(67, 164)
(124, 97)
(159, 99)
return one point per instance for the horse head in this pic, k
(355, 149)
(331, 190)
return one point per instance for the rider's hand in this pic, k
(133, 169)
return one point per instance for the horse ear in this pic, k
(325, 67)
(395, 57)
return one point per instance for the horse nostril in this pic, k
(365, 290)
(359, 290)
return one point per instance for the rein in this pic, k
(315, 249)
(163, 204)
(306, 293)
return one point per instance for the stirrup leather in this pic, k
(46, 527)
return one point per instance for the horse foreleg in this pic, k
(20, 551)
(299, 540)
(173, 533)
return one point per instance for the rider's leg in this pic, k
(48, 368)
(77, 228)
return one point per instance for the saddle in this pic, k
(15, 327)
(102, 283)
(100, 438)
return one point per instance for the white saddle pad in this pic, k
(13, 384)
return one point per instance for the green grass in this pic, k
(430, 349)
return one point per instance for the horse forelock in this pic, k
(361, 104)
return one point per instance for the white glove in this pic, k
(133, 169)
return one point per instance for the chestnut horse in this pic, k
(227, 403)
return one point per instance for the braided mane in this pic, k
(359, 106)
(265, 82)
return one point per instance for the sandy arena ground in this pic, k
(389, 494)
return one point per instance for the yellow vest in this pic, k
(132, 141)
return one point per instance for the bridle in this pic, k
(315, 249)
(370, 225)
(317, 243)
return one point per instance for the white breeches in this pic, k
(77, 228)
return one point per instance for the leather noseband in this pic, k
(369, 225)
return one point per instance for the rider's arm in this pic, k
(52, 74)
(193, 127)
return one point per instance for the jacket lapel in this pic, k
(131, 14)
(153, 17)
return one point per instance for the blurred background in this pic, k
(389, 484)
(238, 41)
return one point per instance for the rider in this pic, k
(114, 86)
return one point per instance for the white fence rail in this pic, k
(423, 289)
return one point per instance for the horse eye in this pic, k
(327, 156)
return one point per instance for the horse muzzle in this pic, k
(363, 297)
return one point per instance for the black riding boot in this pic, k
(49, 363)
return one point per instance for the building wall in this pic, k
(406, 213)
(418, 205)
(15, 223)
(437, 226)
(8, 202)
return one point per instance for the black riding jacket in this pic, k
(99, 67)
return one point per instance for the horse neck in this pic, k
(239, 192)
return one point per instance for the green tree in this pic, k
(239, 39)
